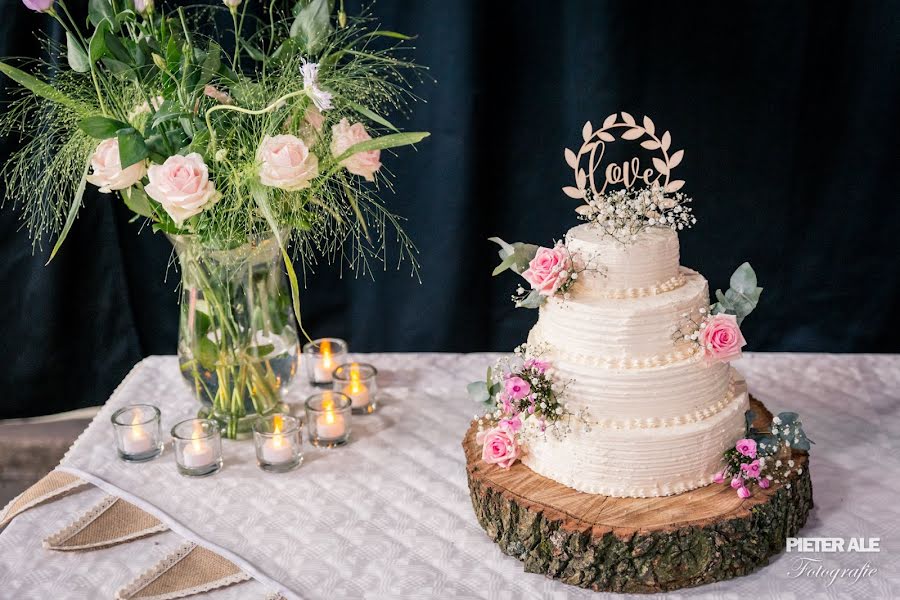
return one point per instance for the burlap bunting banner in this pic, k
(55, 484)
(191, 569)
(112, 521)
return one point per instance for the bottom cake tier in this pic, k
(641, 462)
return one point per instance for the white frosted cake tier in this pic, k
(644, 266)
(640, 463)
(681, 392)
(620, 332)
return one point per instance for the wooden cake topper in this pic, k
(591, 174)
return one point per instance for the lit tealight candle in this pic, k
(330, 424)
(356, 389)
(277, 449)
(324, 367)
(198, 453)
(136, 439)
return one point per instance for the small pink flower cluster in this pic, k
(550, 270)
(749, 471)
(525, 392)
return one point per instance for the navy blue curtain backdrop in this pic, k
(788, 113)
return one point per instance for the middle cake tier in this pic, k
(623, 332)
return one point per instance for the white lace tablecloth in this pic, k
(389, 516)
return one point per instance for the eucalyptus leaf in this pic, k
(97, 45)
(515, 256)
(533, 300)
(478, 391)
(78, 58)
(253, 52)
(742, 297)
(73, 212)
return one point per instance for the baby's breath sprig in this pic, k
(625, 213)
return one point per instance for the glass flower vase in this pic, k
(237, 341)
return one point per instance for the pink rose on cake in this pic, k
(721, 338)
(549, 269)
(499, 446)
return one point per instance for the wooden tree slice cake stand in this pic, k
(635, 544)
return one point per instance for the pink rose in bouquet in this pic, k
(499, 447)
(182, 186)
(286, 163)
(107, 172)
(721, 338)
(344, 136)
(549, 270)
(540, 366)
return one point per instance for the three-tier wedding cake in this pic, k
(601, 434)
(661, 414)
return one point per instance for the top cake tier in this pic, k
(645, 266)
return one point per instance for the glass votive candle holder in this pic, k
(278, 443)
(359, 382)
(321, 358)
(328, 419)
(198, 447)
(138, 432)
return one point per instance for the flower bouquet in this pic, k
(248, 145)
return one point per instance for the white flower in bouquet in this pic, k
(182, 186)
(107, 172)
(320, 97)
(286, 163)
(143, 6)
(344, 136)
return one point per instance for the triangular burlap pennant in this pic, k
(112, 521)
(55, 484)
(191, 569)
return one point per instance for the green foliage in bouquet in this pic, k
(280, 137)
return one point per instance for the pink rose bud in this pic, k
(743, 492)
(143, 6)
(719, 477)
(746, 447)
(736, 482)
(39, 5)
(499, 447)
(721, 338)
(345, 135)
(232, 3)
(546, 270)
(286, 163)
(107, 172)
(182, 186)
(764, 483)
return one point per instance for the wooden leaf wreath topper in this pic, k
(587, 162)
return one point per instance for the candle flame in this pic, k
(354, 379)
(137, 430)
(196, 437)
(329, 417)
(328, 407)
(325, 351)
(277, 428)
